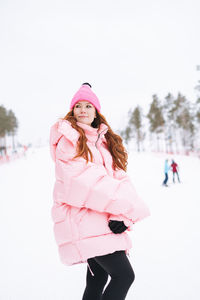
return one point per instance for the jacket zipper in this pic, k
(99, 137)
(97, 147)
(97, 141)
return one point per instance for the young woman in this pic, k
(95, 203)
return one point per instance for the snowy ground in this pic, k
(166, 246)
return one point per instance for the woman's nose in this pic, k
(83, 109)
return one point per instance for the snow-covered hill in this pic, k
(166, 246)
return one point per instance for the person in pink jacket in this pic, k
(95, 203)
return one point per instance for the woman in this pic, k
(94, 200)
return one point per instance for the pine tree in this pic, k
(126, 134)
(184, 121)
(169, 122)
(156, 119)
(3, 127)
(198, 110)
(3, 121)
(12, 125)
(135, 123)
(8, 125)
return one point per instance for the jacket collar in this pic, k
(93, 131)
(93, 134)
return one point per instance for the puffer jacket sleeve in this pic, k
(89, 185)
(120, 174)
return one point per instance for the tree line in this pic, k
(171, 124)
(8, 127)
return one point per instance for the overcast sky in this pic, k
(127, 50)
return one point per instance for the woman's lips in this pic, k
(82, 116)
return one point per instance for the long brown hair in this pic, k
(114, 142)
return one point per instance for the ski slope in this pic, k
(166, 246)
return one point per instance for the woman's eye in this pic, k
(87, 106)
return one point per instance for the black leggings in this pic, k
(118, 267)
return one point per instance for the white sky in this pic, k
(127, 50)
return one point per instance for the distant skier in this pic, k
(166, 170)
(174, 166)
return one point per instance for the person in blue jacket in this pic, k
(166, 170)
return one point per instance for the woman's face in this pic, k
(84, 112)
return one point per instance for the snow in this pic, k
(166, 245)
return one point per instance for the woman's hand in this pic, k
(117, 226)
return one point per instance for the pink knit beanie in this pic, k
(85, 93)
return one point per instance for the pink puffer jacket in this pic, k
(88, 195)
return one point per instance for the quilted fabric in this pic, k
(87, 195)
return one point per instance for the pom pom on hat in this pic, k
(86, 83)
(85, 93)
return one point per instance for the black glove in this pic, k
(117, 226)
